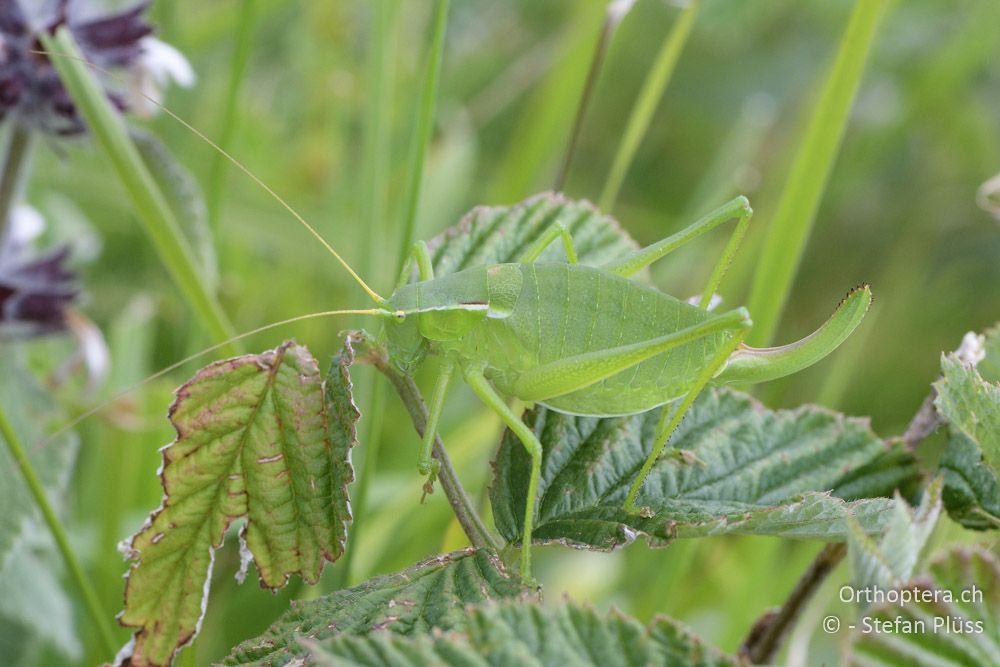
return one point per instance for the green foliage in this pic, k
(184, 197)
(735, 467)
(972, 490)
(32, 414)
(789, 231)
(108, 127)
(893, 559)
(432, 594)
(496, 234)
(509, 633)
(254, 440)
(972, 635)
(971, 407)
(33, 604)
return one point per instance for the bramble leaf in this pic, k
(953, 620)
(893, 559)
(523, 633)
(254, 440)
(497, 234)
(432, 594)
(734, 467)
(970, 404)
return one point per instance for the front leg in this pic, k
(489, 396)
(428, 465)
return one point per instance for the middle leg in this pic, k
(475, 378)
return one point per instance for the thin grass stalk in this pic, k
(613, 16)
(789, 232)
(374, 205)
(422, 129)
(237, 73)
(98, 615)
(14, 171)
(645, 105)
(108, 128)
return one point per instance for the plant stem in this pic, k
(764, 640)
(924, 423)
(107, 126)
(14, 170)
(616, 11)
(90, 598)
(422, 129)
(810, 171)
(645, 105)
(237, 72)
(465, 511)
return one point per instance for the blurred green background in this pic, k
(900, 212)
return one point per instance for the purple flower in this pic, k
(35, 290)
(29, 85)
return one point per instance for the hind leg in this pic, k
(489, 396)
(666, 427)
(738, 208)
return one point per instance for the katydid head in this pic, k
(439, 310)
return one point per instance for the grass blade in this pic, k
(809, 173)
(422, 129)
(645, 106)
(374, 207)
(109, 130)
(613, 16)
(237, 72)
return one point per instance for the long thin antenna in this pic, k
(163, 371)
(375, 296)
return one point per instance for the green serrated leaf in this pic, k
(949, 625)
(734, 467)
(31, 412)
(253, 440)
(184, 196)
(970, 405)
(432, 594)
(496, 234)
(893, 559)
(528, 634)
(971, 488)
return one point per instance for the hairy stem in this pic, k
(14, 170)
(767, 634)
(20, 456)
(924, 423)
(465, 511)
